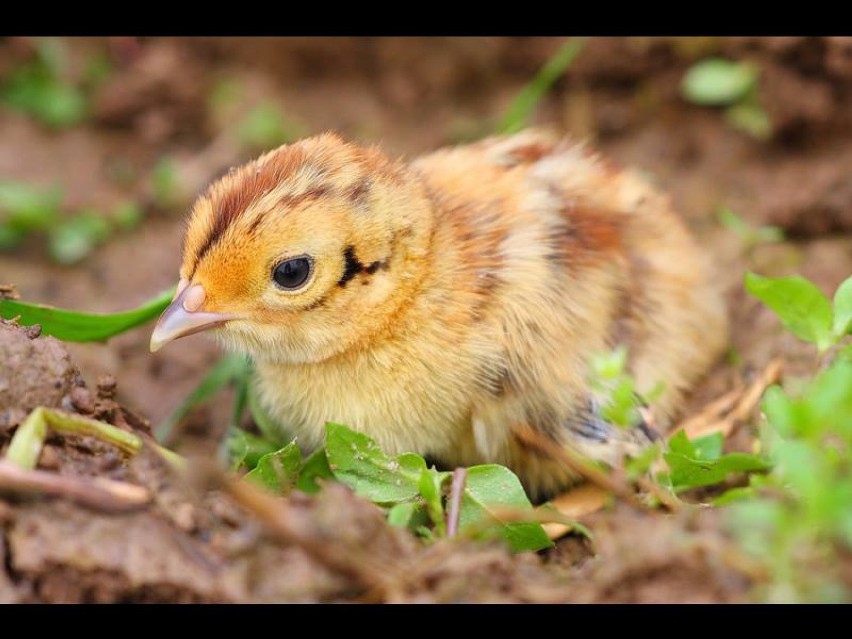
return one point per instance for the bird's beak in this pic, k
(183, 316)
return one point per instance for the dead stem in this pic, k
(97, 493)
(456, 494)
(742, 404)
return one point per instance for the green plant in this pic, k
(804, 309)
(412, 494)
(749, 235)
(26, 210)
(733, 85)
(41, 88)
(797, 520)
(165, 183)
(518, 114)
(265, 127)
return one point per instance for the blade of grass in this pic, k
(241, 382)
(74, 326)
(522, 107)
(227, 369)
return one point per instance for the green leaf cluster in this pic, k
(42, 89)
(797, 519)
(26, 210)
(804, 309)
(413, 494)
(700, 462)
(800, 515)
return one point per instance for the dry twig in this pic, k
(456, 494)
(97, 493)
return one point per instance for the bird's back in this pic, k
(572, 256)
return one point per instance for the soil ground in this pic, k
(411, 95)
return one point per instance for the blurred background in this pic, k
(105, 142)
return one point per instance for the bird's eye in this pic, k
(293, 273)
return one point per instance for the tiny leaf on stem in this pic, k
(800, 306)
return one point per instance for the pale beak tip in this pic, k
(179, 321)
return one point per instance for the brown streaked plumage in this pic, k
(452, 302)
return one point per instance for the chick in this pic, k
(449, 304)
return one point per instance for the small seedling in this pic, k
(26, 210)
(413, 495)
(40, 87)
(165, 183)
(749, 235)
(265, 127)
(732, 85)
(519, 112)
(804, 309)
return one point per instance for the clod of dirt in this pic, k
(35, 372)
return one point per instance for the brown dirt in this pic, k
(195, 544)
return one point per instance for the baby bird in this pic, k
(450, 304)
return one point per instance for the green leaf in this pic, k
(266, 127)
(431, 481)
(60, 105)
(38, 89)
(718, 82)
(226, 370)
(521, 109)
(25, 208)
(709, 447)
(73, 326)
(689, 470)
(800, 305)
(490, 487)
(127, 215)
(10, 238)
(610, 364)
(778, 410)
(76, 237)
(828, 400)
(747, 234)
(845, 354)
(751, 118)
(733, 495)
(246, 449)
(278, 471)
(164, 183)
(315, 467)
(402, 514)
(356, 460)
(843, 309)
(641, 464)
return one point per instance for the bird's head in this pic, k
(308, 251)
